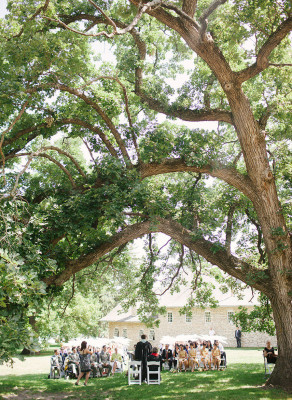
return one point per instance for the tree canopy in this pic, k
(134, 84)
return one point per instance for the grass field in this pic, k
(243, 379)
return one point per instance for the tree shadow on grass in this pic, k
(240, 381)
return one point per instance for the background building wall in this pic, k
(199, 324)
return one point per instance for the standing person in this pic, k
(142, 351)
(211, 332)
(238, 336)
(84, 355)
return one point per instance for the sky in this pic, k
(2, 7)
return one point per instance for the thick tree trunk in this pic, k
(282, 310)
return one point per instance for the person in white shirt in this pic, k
(211, 332)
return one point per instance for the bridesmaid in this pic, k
(85, 367)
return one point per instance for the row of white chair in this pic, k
(135, 373)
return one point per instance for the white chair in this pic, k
(120, 367)
(134, 372)
(165, 365)
(153, 376)
(268, 366)
(55, 372)
(222, 362)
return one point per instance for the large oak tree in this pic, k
(147, 175)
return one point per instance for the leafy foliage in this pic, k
(76, 88)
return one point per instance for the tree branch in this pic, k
(212, 7)
(95, 106)
(189, 7)
(90, 152)
(230, 264)
(74, 121)
(181, 262)
(227, 174)
(60, 151)
(39, 154)
(116, 31)
(38, 11)
(65, 153)
(126, 105)
(17, 118)
(262, 58)
(182, 14)
(279, 65)
(71, 297)
(264, 117)
(23, 132)
(237, 158)
(259, 242)
(104, 138)
(229, 228)
(13, 191)
(185, 114)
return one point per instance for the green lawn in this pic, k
(239, 381)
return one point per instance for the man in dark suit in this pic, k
(167, 356)
(142, 351)
(238, 336)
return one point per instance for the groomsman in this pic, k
(238, 336)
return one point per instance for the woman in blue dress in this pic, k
(84, 354)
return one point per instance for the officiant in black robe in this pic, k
(142, 351)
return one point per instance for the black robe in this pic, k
(142, 352)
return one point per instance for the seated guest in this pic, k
(109, 350)
(74, 359)
(269, 352)
(95, 364)
(197, 347)
(209, 345)
(56, 361)
(63, 353)
(154, 356)
(175, 355)
(167, 356)
(116, 360)
(223, 354)
(104, 359)
(205, 357)
(216, 356)
(193, 357)
(182, 358)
